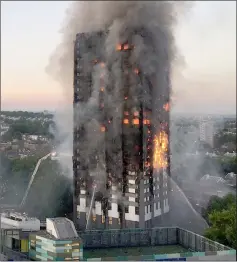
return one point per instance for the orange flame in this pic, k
(136, 121)
(102, 64)
(126, 47)
(119, 47)
(147, 164)
(166, 107)
(136, 71)
(160, 150)
(102, 89)
(102, 129)
(146, 122)
(126, 121)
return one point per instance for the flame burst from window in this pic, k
(136, 71)
(160, 150)
(166, 107)
(119, 47)
(126, 121)
(102, 128)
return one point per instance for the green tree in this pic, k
(228, 164)
(218, 204)
(221, 216)
(223, 226)
(51, 191)
(26, 164)
(23, 126)
(222, 138)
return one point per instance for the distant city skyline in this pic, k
(206, 39)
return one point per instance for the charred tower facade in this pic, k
(130, 162)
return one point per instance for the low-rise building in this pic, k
(23, 238)
(231, 179)
(14, 233)
(20, 221)
(4, 146)
(29, 145)
(59, 242)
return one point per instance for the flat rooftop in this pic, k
(45, 234)
(132, 251)
(64, 228)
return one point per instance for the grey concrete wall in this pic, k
(149, 237)
(213, 258)
(14, 255)
(196, 242)
(2, 257)
(133, 237)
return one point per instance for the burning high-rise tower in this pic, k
(121, 135)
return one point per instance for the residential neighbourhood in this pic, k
(19, 138)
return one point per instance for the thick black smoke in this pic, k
(148, 25)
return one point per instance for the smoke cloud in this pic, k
(150, 27)
(155, 54)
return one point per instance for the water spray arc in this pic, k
(32, 178)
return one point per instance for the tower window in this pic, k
(137, 210)
(125, 47)
(147, 210)
(146, 122)
(157, 205)
(110, 220)
(126, 121)
(136, 121)
(102, 129)
(126, 209)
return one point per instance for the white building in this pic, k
(13, 220)
(206, 131)
(61, 228)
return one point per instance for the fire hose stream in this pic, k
(92, 200)
(32, 178)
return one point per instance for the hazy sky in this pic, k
(206, 38)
